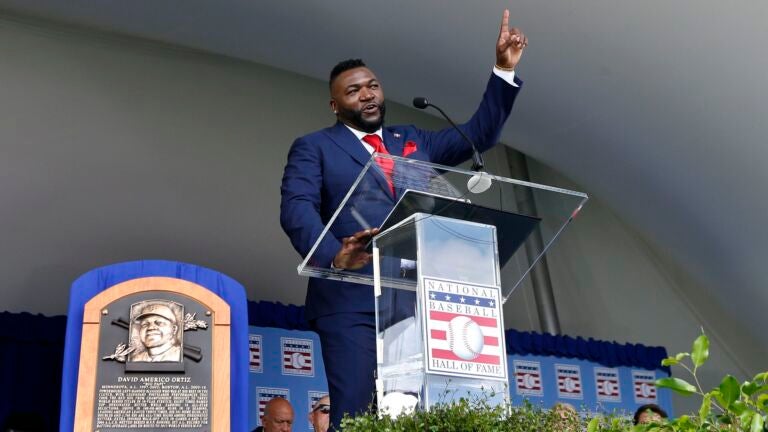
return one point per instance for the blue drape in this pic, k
(96, 281)
(31, 350)
(610, 354)
(269, 314)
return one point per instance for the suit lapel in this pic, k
(347, 141)
(393, 142)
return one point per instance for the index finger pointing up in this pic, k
(504, 22)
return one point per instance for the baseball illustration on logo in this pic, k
(465, 338)
(529, 381)
(297, 360)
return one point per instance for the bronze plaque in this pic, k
(155, 363)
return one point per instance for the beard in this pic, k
(355, 118)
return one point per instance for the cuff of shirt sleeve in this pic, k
(508, 76)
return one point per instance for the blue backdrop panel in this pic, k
(542, 379)
(285, 363)
(557, 379)
(98, 280)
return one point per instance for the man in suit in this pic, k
(321, 168)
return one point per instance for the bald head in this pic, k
(278, 416)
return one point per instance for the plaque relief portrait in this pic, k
(156, 331)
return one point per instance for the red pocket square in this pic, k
(409, 148)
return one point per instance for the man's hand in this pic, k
(352, 255)
(509, 47)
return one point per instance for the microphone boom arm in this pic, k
(477, 159)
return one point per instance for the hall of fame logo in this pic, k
(255, 363)
(266, 394)
(568, 381)
(463, 330)
(644, 384)
(298, 357)
(528, 378)
(607, 384)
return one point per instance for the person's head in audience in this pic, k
(564, 417)
(320, 414)
(278, 416)
(650, 413)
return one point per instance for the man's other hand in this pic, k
(353, 255)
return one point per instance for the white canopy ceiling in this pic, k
(656, 107)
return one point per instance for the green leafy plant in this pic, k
(728, 407)
(475, 414)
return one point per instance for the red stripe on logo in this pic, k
(445, 316)
(439, 334)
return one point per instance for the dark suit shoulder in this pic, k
(401, 128)
(318, 134)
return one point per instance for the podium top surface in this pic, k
(512, 229)
(528, 216)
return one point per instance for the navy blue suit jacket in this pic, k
(323, 165)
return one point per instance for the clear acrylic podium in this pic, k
(454, 247)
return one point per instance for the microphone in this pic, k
(479, 182)
(420, 102)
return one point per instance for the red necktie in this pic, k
(386, 165)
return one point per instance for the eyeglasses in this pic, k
(323, 408)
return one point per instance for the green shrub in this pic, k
(729, 407)
(476, 415)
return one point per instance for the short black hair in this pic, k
(344, 66)
(649, 407)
